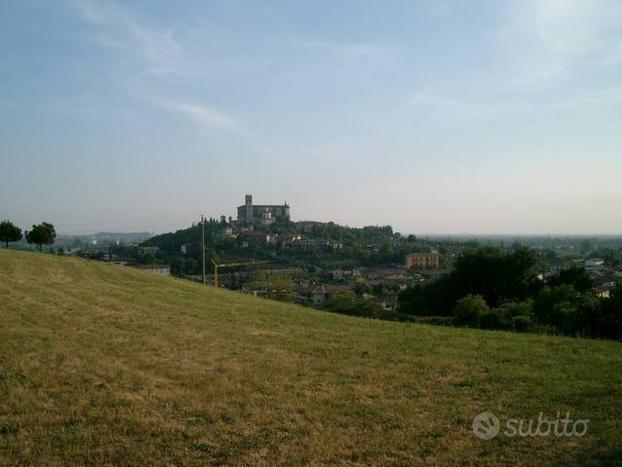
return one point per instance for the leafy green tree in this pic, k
(348, 303)
(361, 287)
(492, 319)
(381, 289)
(276, 287)
(412, 301)
(147, 259)
(575, 276)
(608, 323)
(495, 275)
(9, 233)
(281, 287)
(342, 302)
(469, 310)
(41, 234)
(554, 306)
(178, 266)
(567, 310)
(516, 316)
(522, 323)
(513, 309)
(487, 271)
(282, 227)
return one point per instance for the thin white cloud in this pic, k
(98, 13)
(544, 40)
(350, 50)
(200, 114)
(119, 29)
(431, 102)
(600, 99)
(329, 58)
(546, 55)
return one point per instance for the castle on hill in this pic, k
(250, 214)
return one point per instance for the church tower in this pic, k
(249, 209)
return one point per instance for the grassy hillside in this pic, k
(104, 364)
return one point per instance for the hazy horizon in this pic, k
(438, 118)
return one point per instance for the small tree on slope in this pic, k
(9, 233)
(42, 234)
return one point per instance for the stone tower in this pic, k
(249, 208)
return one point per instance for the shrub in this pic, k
(348, 303)
(516, 316)
(522, 323)
(412, 301)
(608, 323)
(575, 276)
(469, 310)
(491, 319)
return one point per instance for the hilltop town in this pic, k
(265, 253)
(322, 264)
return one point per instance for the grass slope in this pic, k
(104, 364)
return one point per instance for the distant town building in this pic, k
(250, 214)
(422, 260)
(319, 294)
(594, 263)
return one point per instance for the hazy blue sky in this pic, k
(435, 117)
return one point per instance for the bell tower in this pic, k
(248, 204)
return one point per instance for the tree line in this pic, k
(40, 234)
(493, 289)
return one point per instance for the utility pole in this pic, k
(215, 273)
(203, 244)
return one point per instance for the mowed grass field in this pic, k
(101, 364)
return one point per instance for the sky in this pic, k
(437, 117)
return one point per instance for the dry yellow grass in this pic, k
(108, 365)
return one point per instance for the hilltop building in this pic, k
(250, 214)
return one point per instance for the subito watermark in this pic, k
(487, 425)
